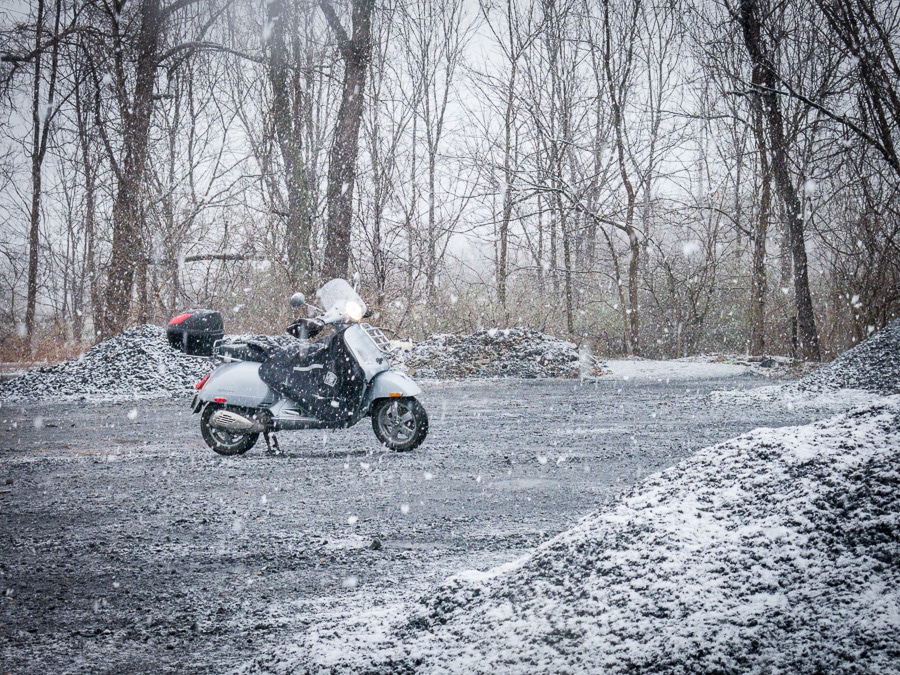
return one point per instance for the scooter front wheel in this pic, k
(221, 440)
(400, 423)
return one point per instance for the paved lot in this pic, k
(128, 546)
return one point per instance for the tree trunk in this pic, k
(756, 343)
(356, 53)
(287, 112)
(34, 224)
(616, 95)
(128, 235)
(808, 338)
(82, 115)
(508, 122)
(431, 236)
(40, 134)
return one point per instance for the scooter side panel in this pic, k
(239, 384)
(391, 382)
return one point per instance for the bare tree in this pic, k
(749, 18)
(42, 119)
(514, 31)
(866, 33)
(356, 50)
(43, 57)
(289, 111)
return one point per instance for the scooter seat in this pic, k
(251, 350)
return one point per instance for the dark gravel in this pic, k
(128, 546)
(137, 364)
(511, 352)
(873, 365)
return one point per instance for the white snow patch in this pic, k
(792, 397)
(772, 552)
(676, 369)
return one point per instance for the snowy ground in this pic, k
(130, 547)
(774, 552)
(676, 369)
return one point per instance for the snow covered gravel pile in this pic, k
(873, 365)
(862, 374)
(777, 551)
(137, 364)
(513, 352)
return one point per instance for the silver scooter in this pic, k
(329, 383)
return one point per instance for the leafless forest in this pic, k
(651, 177)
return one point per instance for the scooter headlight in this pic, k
(353, 310)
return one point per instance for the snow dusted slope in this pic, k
(872, 365)
(862, 374)
(508, 352)
(137, 364)
(778, 551)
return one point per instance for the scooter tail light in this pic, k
(202, 382)
(220, 399)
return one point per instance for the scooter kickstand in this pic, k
(275, 443)
(269, 450)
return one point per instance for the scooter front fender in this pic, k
(239, 384)
(390, 384)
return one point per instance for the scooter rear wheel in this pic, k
(224, 442)
(400, 423)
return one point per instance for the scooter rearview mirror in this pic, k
(298, 300)
(355, 280)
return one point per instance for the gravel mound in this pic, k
(872, 365)
(773, 552)
(514, 352)
(141, 364)
(137, 364)
(862, 374)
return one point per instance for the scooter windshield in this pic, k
(338, 299)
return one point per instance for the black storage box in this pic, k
(195, 331)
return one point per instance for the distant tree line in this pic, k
(652, 177)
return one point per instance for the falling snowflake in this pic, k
(267, 31)
(690, 248)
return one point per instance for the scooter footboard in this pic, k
(390, 384)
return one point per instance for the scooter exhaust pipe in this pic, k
(231, 421)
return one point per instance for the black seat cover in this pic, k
(321, 376)
(251, 350)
